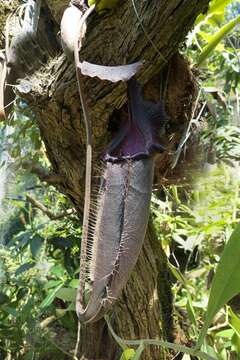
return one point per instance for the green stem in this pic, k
(165, 344)
(118, 340)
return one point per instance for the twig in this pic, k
(78, 340)
(50, 339)
(44, 175)
(46, 211)
(44, 323)
(218, 327)
(187, 133)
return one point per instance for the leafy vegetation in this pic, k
(40, 231)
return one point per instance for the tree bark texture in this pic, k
(144, 310)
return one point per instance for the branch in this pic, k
(44, 175)
(46, 211)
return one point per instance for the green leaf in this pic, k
(58, 271)
(72, 306)
(178, 275)
(217, 7)
(205, 36)
(50, 297)
(22, 292)
(24, 268)
(234, 322)
(27, 308)
(215, 40)
(52, 284)
(36, 244)
(128, 354)
(190, 310)
(228, 333)
(4, 298)
(23, 238)
(236, 343)
(74, 283)
(209, 350)
(226, 282)
(10, 310)
(66, 294)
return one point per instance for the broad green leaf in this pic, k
(234, 322)
(205, 36)
(36, 244)
(228, 333)
(177, 274)
(22, 292)
(10, 310)
(58, 271)
(216, 19)
(4, 298)
(52, 284)
(26, 309)
(190, 310)
(66, 294)
(216, 38)
(217, 7)
(223, 354)
(50, 297)
(23, 238)
(209, 350)
(74, 283)
(226, 282)
(24, 268)
(127, 354)
(236, 343)
(72, 306)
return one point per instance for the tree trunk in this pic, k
(145, 308)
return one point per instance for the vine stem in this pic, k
(77, 341)
(146, 33)
(87, 121)
(165, 344)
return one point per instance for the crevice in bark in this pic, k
(178, 6)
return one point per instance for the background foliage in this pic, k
(39, 256)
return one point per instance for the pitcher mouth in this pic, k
(139, 136)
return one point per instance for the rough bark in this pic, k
(144, 310)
